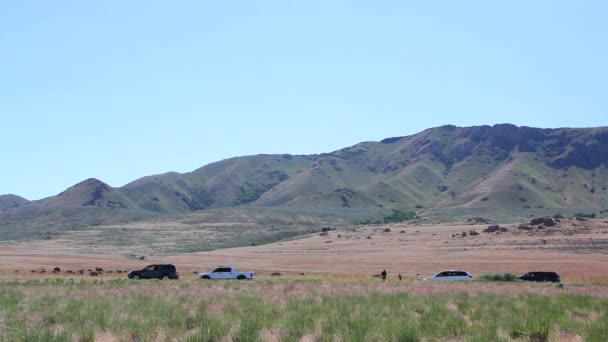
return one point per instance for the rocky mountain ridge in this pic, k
(500, 168)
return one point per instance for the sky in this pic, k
(117, 90)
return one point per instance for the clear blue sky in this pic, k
(121, 89)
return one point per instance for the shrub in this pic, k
(492, 229)
(497, 277)
(248, 192)
(584, 215)
(399, 216)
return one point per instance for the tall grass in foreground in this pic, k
(287, 311)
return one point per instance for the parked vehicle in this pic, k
(226, 272)
(451, 275)
(155, 272)
(540, 276)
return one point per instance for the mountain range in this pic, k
(501, 170)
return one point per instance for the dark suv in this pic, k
(155, 272)
(540, 276)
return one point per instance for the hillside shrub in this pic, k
(200, 198)
(399, 216)
(248, 192)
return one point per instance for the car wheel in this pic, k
(136, 277)
(205, 277)
(241, 277)
(165, 277)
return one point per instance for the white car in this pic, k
(451, 275)
(225, 272)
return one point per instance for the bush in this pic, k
(492, 229)
(399, 216)
(497, 277)
(248, 192)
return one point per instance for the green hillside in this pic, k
(443, 173)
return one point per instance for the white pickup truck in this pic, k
(225, 272)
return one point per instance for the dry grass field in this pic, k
(578, 250)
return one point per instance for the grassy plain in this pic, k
(326, 291)
(63, 309)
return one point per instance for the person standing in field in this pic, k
(399, 276)
(383, 274)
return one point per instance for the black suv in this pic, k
(540, 276)
(155, 272)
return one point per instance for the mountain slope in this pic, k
(11, 201)
(500, 168)
(445, 171)
(228, 182)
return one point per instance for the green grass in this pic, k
(67, 310)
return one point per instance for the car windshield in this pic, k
(149, 268)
